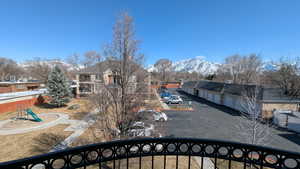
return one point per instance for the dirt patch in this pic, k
(25, 145)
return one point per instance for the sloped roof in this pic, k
(275, 94)
(189, 84)
(262, 93)
(101, 67)
(242, 90)
(208, 85)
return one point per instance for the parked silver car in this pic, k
(174, 99)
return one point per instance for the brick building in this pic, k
(10, 102)
(9, 87)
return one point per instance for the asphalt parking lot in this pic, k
(212, 121)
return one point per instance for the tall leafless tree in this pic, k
(163, 67)
(251, 129)
(122, 99)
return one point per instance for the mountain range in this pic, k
(200, 65)
(197, 64)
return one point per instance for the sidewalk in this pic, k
(78, 127)
(163, 105)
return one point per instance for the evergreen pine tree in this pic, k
(58, 87)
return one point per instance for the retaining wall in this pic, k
(22, 101)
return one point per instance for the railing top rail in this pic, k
(165, 149)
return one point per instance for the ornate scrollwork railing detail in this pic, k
(124, 149)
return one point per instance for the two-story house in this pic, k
(93, 79)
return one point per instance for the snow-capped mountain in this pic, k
(50, 63)
(200, 65)
(270, 66)
(197, 64)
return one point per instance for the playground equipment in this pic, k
(23, 113)
(33, 115)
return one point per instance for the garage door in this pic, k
(229, 101)
(217, 99)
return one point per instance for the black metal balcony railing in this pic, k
(107, 153)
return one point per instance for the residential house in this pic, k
(93, 79)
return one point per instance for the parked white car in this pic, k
(139, 129)
(174, 99)
(157, 116)
(160, 116)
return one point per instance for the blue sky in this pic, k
(174, 29)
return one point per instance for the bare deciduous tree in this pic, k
(251, 68)
(250, 128)
(118, 102)
(163, 67)
(74, 60)
(240, 69)
(9, 69)
(38, 69)
(252, 131)
(286, 77)
(91, 58)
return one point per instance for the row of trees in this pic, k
(39, 69)
(239, 69)
(249, 70)
(9, 69)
